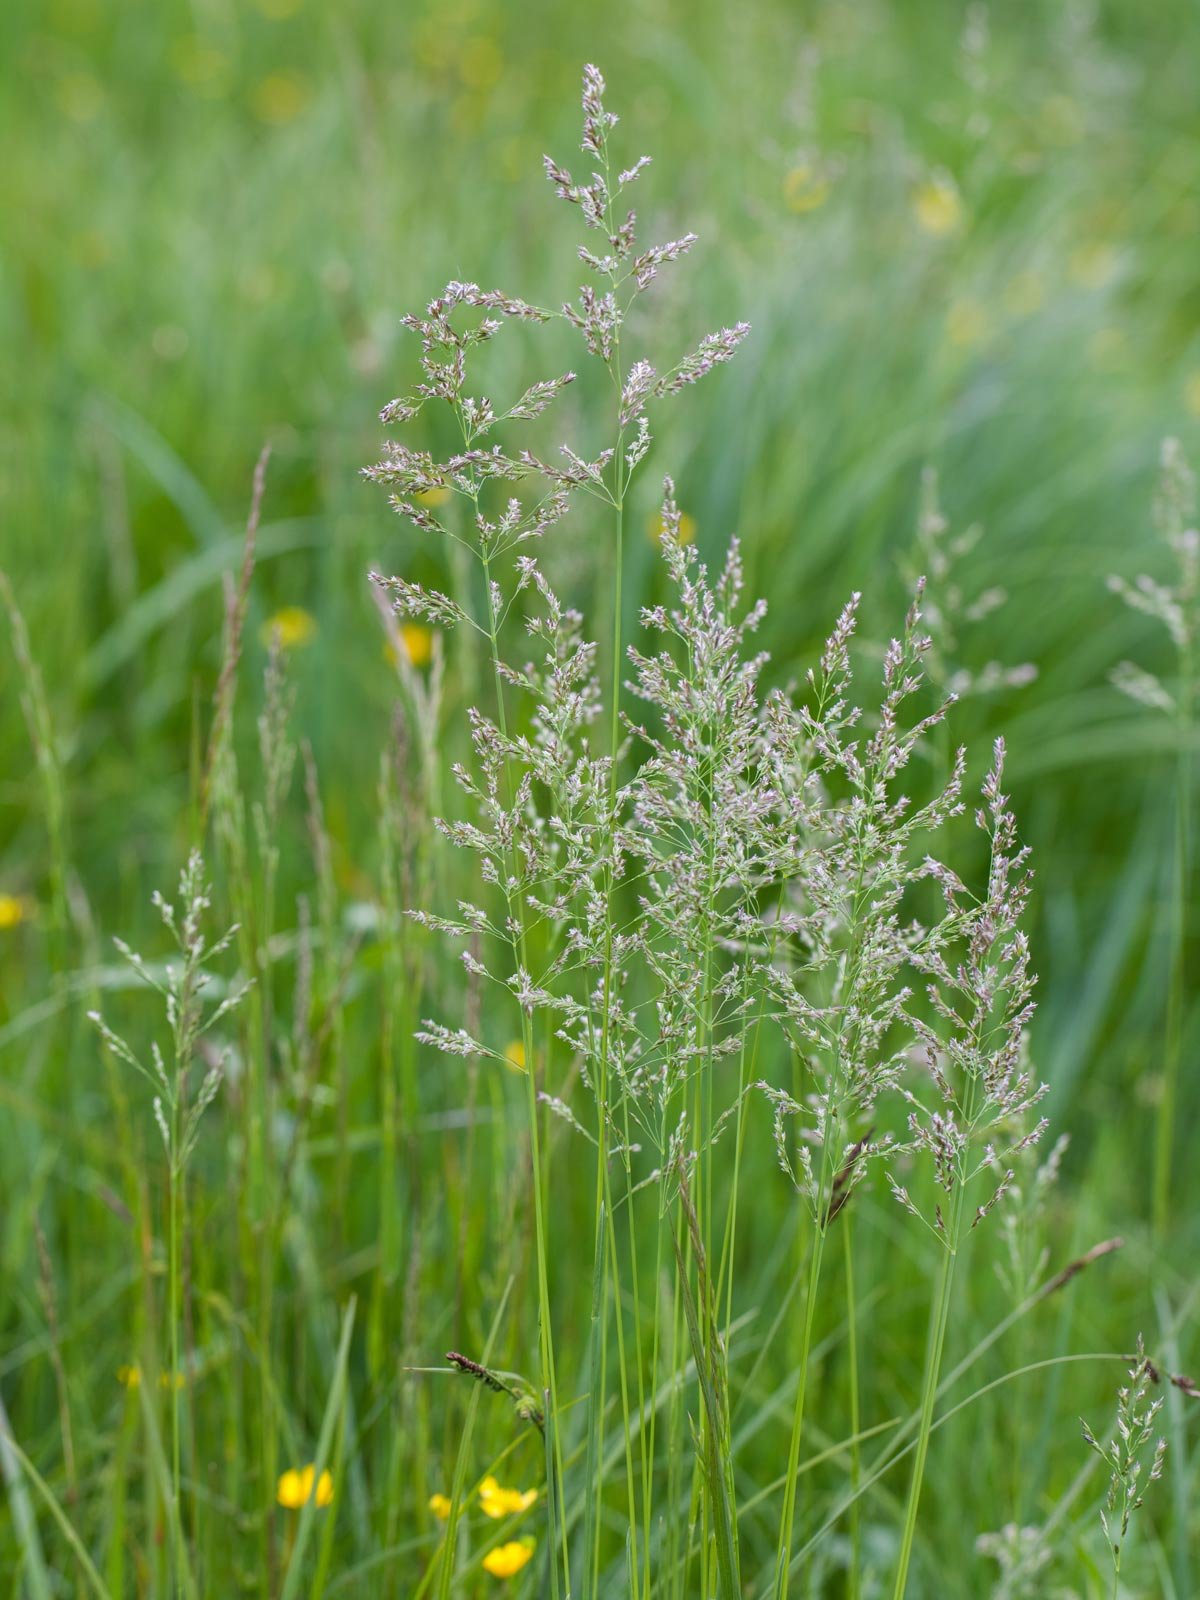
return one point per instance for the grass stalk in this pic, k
(1177, 971)
(939, 1319)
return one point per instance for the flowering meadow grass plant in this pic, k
(628, 1174)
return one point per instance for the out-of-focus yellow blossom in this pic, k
(1024, 294)
(131, 1377)
(655, 528)
(439, 1504)
(514, 1054)
(497, 1502)
(432, 497)
(506, 1560)
(1092, 265)
(1191, 393)
(292, 626)
(418, 641)
(966, 323)
(279, 98)
(804, 189)
(937, 205)
(296, 1488)
(12, 910)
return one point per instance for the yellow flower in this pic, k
(292, 625)
(655, 528)
(506, 1560)
(1191, 393)
(164, 1380)
(12, 910)
(938, 206)
(514, 1054)
(418, 641)
(296, 1488)
(280, 98)
(804, 189)
(439, 1504)
(131, 1377)
(497, 1502)
(432, 497)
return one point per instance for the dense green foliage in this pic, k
(963, 242)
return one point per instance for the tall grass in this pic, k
(735, 978)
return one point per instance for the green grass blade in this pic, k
(329, 1422)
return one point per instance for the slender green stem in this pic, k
(854, 1580)
(173, 1180)
(933, 1364)
(545, 1333)
(603, 1243)
(787, 1520)
(1176, 991)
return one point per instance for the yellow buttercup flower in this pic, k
(506, 1560)
(432, 497)
(804, 189)
(938, 206)
(439, 1504)
(12, 910)
(655, 528)
(514, 1054)
(496, 1501)
(292, 626)
(296, 1488)
(131, 1377)
(418, 641)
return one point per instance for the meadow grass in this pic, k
(965, 249)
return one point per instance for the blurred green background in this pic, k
(967, 238)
